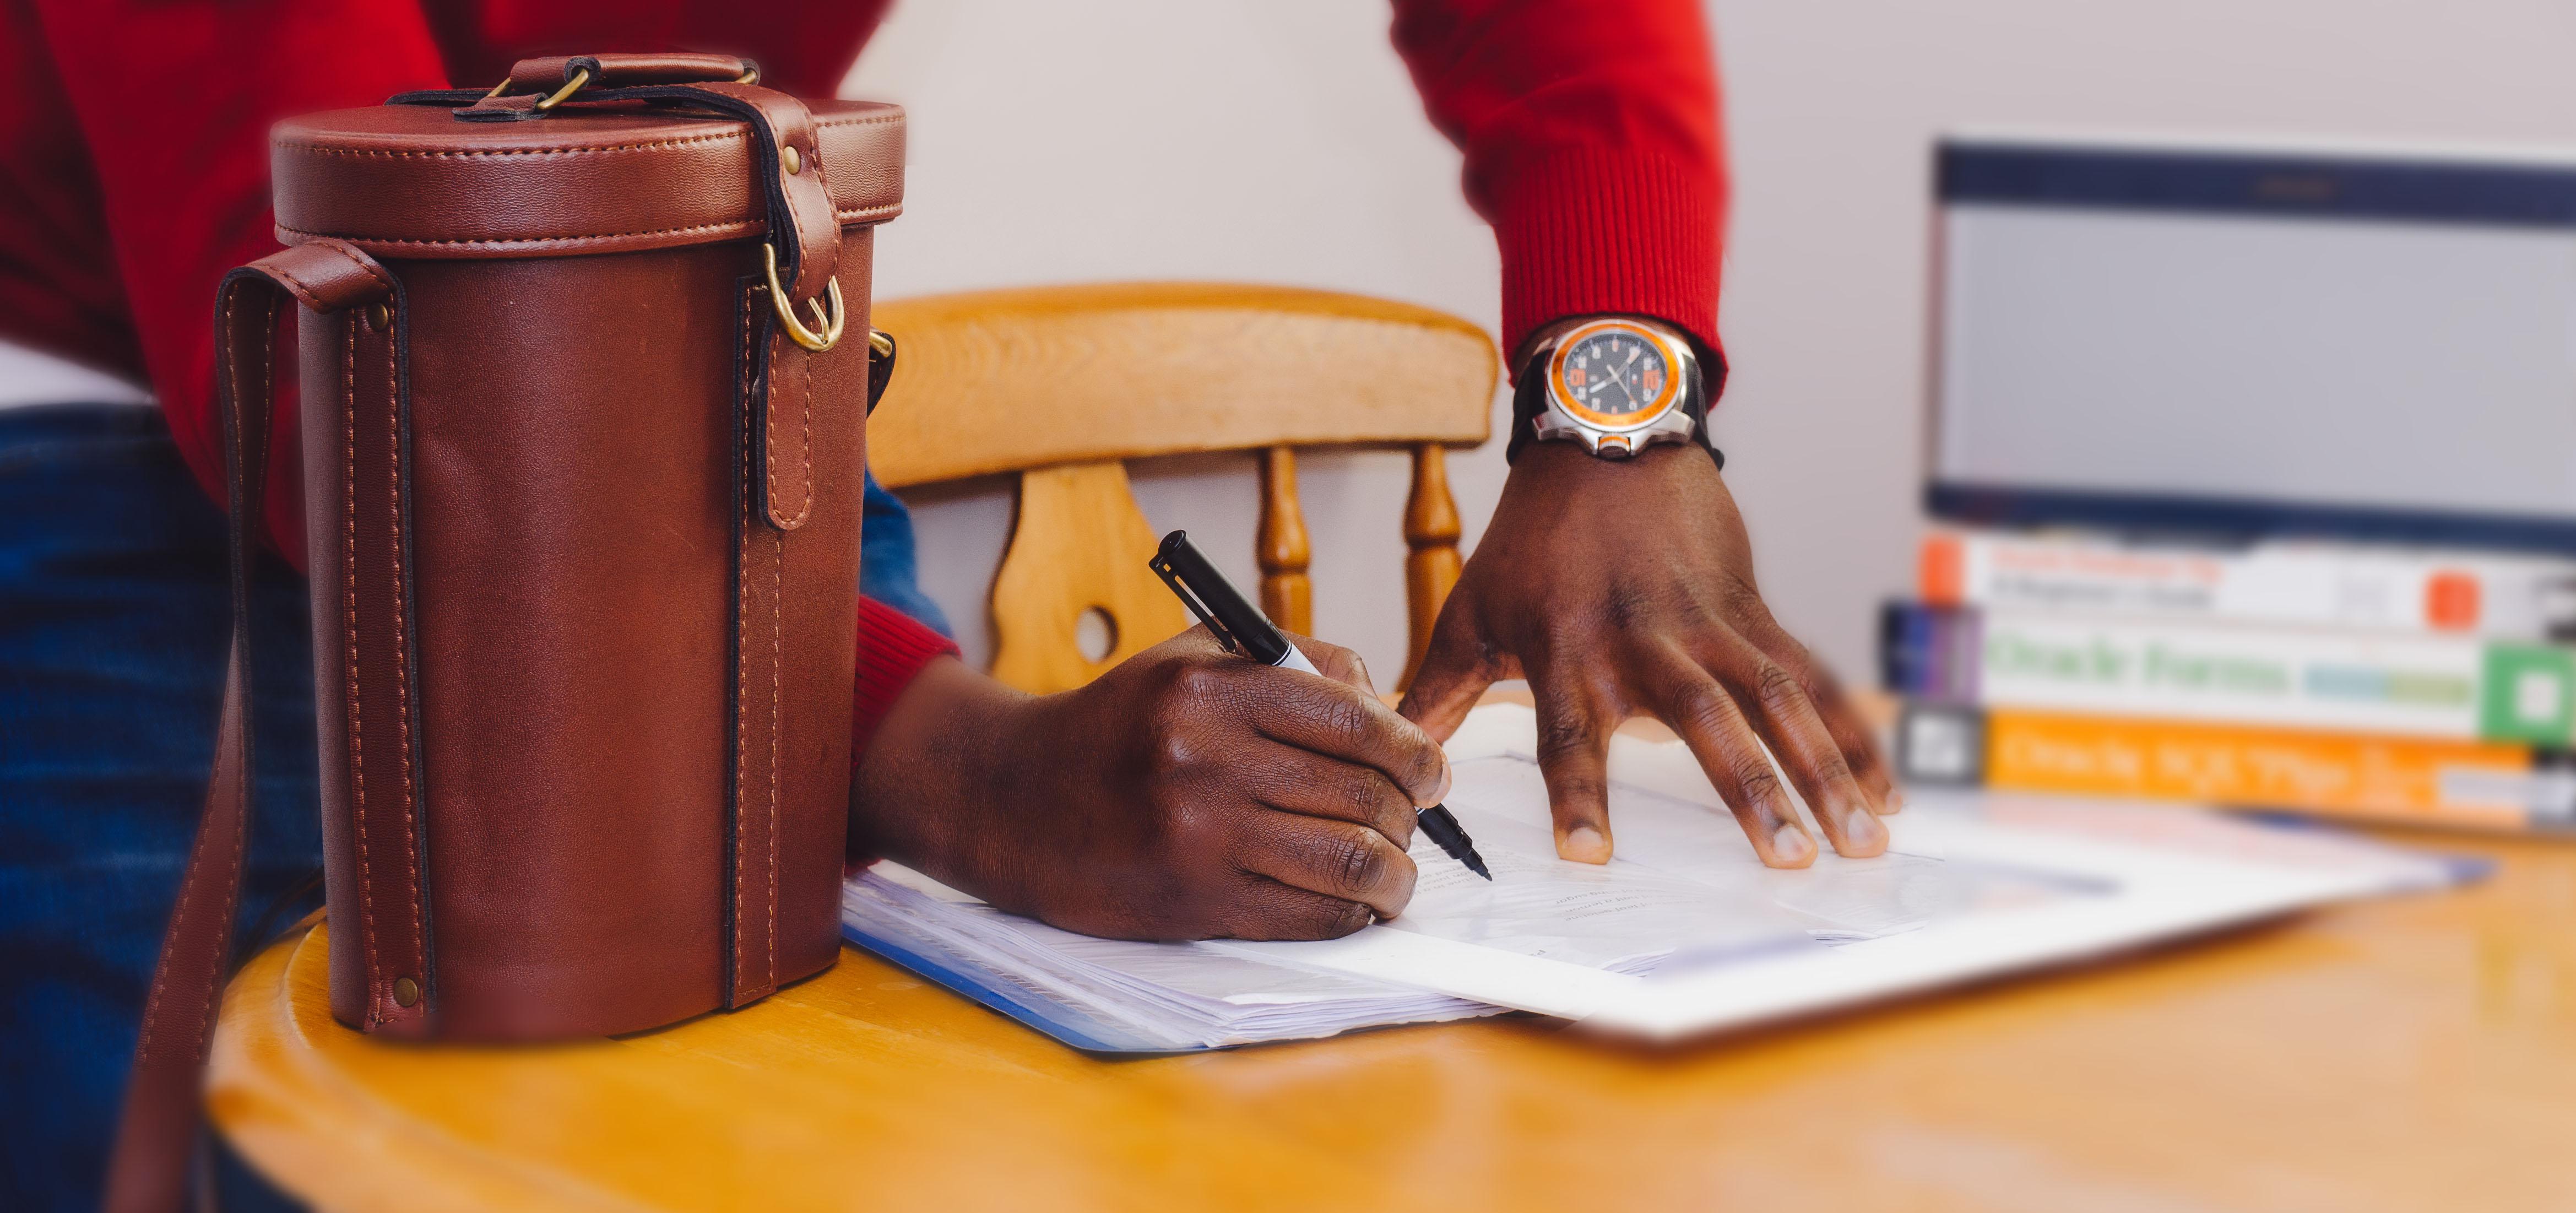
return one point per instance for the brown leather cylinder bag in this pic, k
(584, 374)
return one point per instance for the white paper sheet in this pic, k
(1684, 932)
(1970, 886)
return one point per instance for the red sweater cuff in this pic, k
(893, 648)
(1608, 230)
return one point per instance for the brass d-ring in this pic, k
(830, 319)
(579, 78)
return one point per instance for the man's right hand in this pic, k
(1187, 793)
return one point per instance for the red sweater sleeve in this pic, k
(174, 99)
(893, 648)
(1590, 129)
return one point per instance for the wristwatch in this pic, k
(1616, 384)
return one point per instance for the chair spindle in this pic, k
(1431, 562)
(1287, 593)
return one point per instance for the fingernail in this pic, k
(1895, 800)
(1790, 844)
(1583, 844)
(1862, 831)
(1442, 796)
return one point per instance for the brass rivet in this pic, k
(379, 317)
(406, 991)
(795, 163)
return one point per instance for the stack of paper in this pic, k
(1112, 995)
(1684, 932)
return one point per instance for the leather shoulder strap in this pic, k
(156, 1138)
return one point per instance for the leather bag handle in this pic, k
(552, 72)
(786, 155)
(156, 1136)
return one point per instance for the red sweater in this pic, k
(133, 161)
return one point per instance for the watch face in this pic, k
(1612, 374)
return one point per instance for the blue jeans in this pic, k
(114, 619)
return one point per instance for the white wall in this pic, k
(1253, 140)
(1243, 141)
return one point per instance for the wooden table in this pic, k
(2411, 1054)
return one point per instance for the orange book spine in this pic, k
(2481, 785)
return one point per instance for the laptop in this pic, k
(2255, 340)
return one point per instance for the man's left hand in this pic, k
(1623, 587)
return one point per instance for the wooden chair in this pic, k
(1063, 385)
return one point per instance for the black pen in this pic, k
(1240, 628)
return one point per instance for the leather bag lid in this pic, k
(411, 181)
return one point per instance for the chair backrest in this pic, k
(1062, 385)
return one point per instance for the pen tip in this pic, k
(1477, 866)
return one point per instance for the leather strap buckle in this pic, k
(829, 319)
(580, 77)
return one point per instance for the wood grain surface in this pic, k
(2401, 1055)
(1001, 381)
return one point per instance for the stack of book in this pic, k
(2400, 684)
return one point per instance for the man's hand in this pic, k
(1187, 793)
(1627, 587)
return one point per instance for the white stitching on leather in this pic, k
(865, 214)
(402, 654)
(188, 880)
(371, 269)
(373, 153)
(777, 658)
(231, 903)
(805, 435)
(357, 713)
(603, 149)
(744, 225)
(742, 646)
(304, 294)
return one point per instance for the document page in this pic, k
(1115, 995)
(1685, 885)
(1686, 931)
(1621, 916)
(1683, 931)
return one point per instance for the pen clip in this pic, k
(1163, 568)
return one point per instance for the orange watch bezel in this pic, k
(1614, 422)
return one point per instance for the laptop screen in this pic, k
(2256, 343)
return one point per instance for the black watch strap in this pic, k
(1529, 401)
